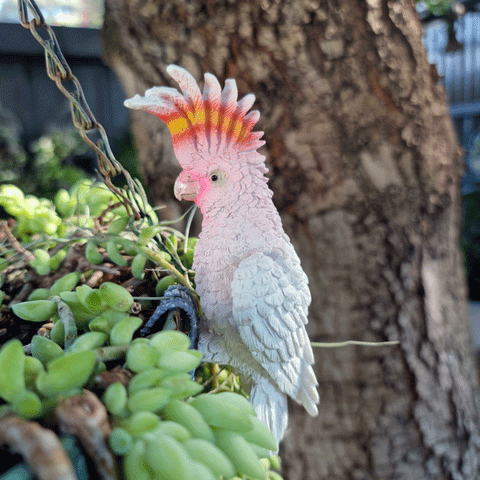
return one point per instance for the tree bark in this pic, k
(365, 168)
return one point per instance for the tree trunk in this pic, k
(365, 168)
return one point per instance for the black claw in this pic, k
(177, 298)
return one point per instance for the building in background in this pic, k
(457, 59)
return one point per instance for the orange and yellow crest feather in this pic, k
(213, 122)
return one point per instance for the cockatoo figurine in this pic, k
(253, 292)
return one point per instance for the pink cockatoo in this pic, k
(253, 291)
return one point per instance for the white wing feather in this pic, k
(270, 302)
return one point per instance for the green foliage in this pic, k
(470, 240)
(166, 423)
(50, 152)
(45, 169)
(127, 155)
(78, 206)
(34, 215)
(13, 157)
(438, 8)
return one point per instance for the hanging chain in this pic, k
(59, 71)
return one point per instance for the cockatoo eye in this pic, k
(216, 177)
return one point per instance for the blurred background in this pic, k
(40, 151)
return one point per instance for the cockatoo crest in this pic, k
(213, 123)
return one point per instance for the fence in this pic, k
(460, 72)
(31, 101)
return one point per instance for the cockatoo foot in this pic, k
(177, 299)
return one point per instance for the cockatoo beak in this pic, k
(185, 188)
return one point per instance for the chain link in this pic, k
(59, 71)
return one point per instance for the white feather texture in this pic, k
(253, 291)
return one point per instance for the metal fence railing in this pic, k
(460, 73)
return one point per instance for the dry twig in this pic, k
(85, 417)
(16, 245)
(39, 447)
